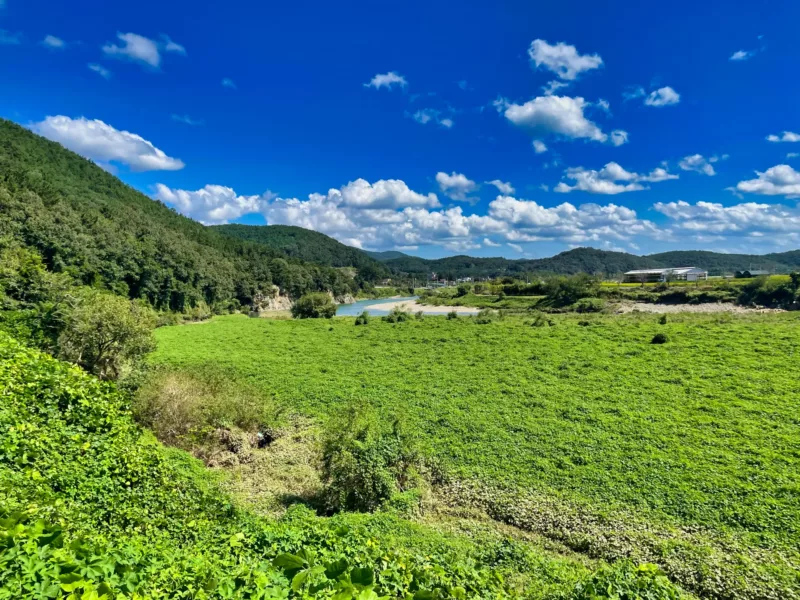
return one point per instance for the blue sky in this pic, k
(619, 125)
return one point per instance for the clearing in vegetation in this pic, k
(686, 453)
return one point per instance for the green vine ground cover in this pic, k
(686, 452)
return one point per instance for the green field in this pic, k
(686, 453)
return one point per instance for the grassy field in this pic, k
(687, 453)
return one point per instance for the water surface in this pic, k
(355, 309)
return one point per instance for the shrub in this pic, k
(589, 305)
(186, 409)
(624, 581)
(365, 464)
(363, 318)
(541, 320)
(453, 314)
(103, 333)
(764, 291)
(485, 316)
(564, 291)
(420, 315)
(660, 338)
(317, 305)
(397, 315)
(663, 319)
(462, 291)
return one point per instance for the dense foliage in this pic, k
(88, 225)
(314, 306)
(92, 508)
(620, 447)
(309, 246)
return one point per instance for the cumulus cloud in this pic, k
(787, 136)
(502, 186)
(213, 204)
(490, 244)
(98, 141)
(539, 146)
(619, 137)
(140, 49)
(699, 164)
(562, 59)
(433, 116)
(100, 70)
(664, 96)
(611, 179)
(553, 115)
(51, 41)
(387, 80)
(780, 180)
(456, 186)
(741, 55)
(384, 194)
(745, 218)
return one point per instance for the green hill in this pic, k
(387, 255)
(85, 222)
(307, 245)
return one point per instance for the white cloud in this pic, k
(515, 247)
(9, 39)
(456, 186)
(431, 115)
(562, 59)
(186, 120)
(228, 83)
(51, 41)
(633, 92)
(749, 218)
(490, 244)
(100, 70)
(611, 179)
(741, 55)
(698, 164)
(539, 146)
(787, 136)
(138, 48)
(213, 204)
(502, 186)
(556, 115)
(793, 155)
(619, 137)
(664, 96)
(387, 80)
(780, 180)
(553, 86)
(98, 141)
(384, 194)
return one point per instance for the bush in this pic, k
(662, 320)
(624, 581)
(541, 320)
(317, 305)
(364, 464)
(186, 409)
(660, 338)
(765, 291)
(485, 316)
(564, 291)
(397, 315)
(453, 314)
(589, 305)
(362, 319)
(420, 316)
(462, 291)
(103, 333)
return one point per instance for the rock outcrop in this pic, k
(269, 301)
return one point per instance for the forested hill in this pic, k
(386, 255)
(590, 260)
(85, 222)
(307, 245)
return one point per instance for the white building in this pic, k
(670, 274)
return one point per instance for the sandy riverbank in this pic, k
(414, 306)
(715, 307)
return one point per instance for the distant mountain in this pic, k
(591, 260)
(307, 245)
(387, 255)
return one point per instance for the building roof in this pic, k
(670, 270)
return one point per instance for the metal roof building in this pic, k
(669, 274)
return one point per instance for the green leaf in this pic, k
(362, 576)
(288, 561)
(335, 569)
(299, 580)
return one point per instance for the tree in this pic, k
(103, 332)
(317, 305)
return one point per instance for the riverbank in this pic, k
(415, 306)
